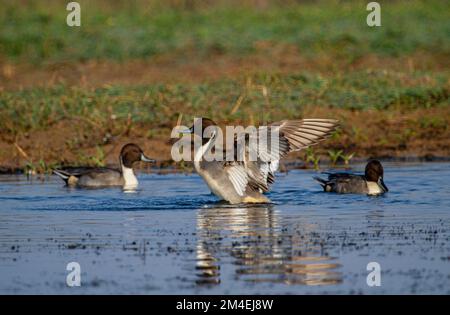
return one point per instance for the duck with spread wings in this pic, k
(246, 177)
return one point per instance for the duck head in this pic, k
(132, 153)
(374, 172)
(202, 127)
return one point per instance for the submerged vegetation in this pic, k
(73, 95)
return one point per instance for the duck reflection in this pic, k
(261, 248)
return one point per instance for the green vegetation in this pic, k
(347, 158)
(40, 167)
(35, 31)
(312, 157)
(334, 155)
(285, 96)
(247, 62)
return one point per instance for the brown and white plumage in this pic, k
(370, 183)
(106, 177)
(292, 135)
(253, 168)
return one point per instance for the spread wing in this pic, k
(258, 153)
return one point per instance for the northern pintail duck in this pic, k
(104, 176)
(370, 183)
(244, 180)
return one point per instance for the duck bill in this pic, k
(146, 159)
(382, 184)
(186, 131)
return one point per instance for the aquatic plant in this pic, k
(311, 157)
(347, 158)
(334, 156)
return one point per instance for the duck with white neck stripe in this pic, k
(243, 179)
(92, 177)
(371, 183)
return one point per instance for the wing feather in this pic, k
(290, 135)
(238, 177)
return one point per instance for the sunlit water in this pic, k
(173, 237)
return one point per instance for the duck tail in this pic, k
(321, 181)
(63, 174)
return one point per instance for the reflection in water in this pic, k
(260, 248)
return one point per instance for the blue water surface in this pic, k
(173, 237)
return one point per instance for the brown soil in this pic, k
(368, 133)
(194, 68)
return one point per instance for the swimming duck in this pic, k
(370, 183)
(104, 176)
(246, 180)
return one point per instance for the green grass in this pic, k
(36, 32)
(265, 98)
(332, 35)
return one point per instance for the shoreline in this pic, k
(389, 134)
(166, 167)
